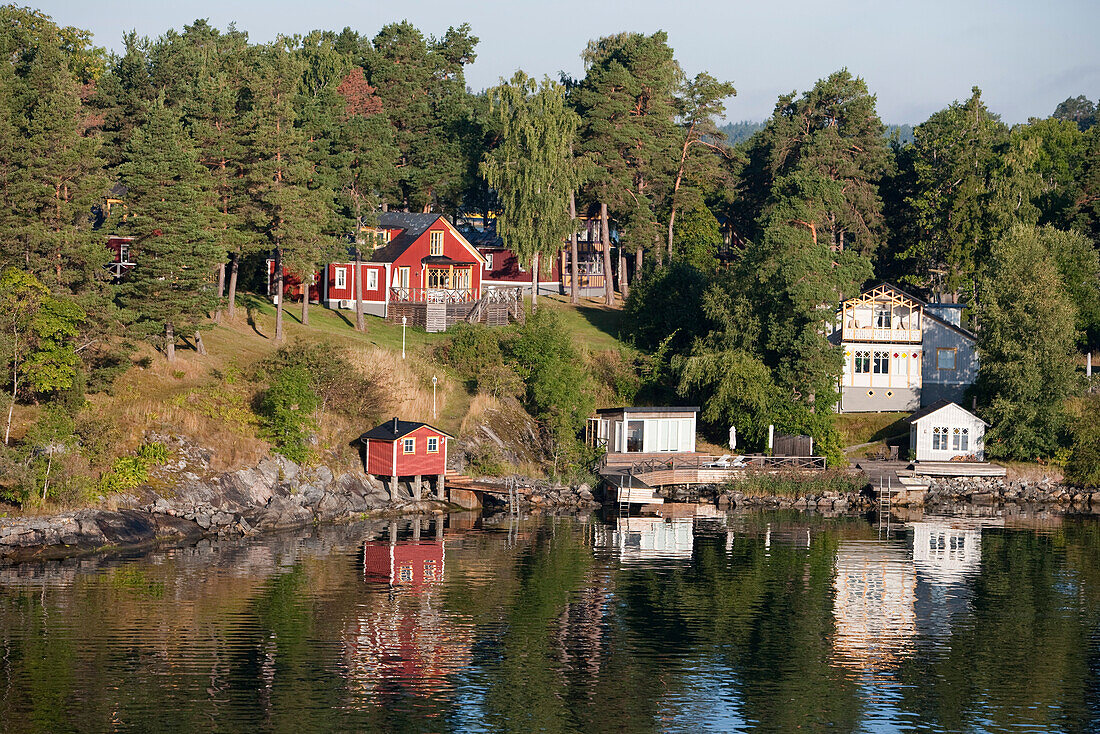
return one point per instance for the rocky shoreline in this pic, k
(184, 500)
(946, 492)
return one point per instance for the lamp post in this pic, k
(404, 320)
(434, 381)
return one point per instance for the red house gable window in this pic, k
(408, 446)
(433, 444)
(436, 244)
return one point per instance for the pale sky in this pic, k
(916, 56)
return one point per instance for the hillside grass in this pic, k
(210, 397)
(857, 428)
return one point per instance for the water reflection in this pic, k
(647, 539)
(771, 621)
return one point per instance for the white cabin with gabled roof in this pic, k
(900, 352)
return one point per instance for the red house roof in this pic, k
(412, 227)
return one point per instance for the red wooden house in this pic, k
(120, 255)
(419, 258)
(407, 449)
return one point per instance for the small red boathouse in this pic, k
(407, 450)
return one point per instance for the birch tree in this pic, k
(533, 170)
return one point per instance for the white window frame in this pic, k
(433, 444)
(939, 438)
(861, 358)
(372, 279)
(408, 446)
(941, 352)
(488, 261)
(880, 363)
(341, 277)
(960, 439)
(883, 317)
(435, 243)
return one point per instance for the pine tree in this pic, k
(627, 109)
(285, 210)
(423, 90)
(58, 180)
(171, 216)
(200, 72)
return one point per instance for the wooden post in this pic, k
(439, 527)
(393, 533)
(416, 528)
(416, 488)
(439, 492)
(393, 488)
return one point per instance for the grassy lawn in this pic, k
(857, 428)
(591, 322)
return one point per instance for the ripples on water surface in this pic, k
(776, 622)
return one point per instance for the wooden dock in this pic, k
(637, 476)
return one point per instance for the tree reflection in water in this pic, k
(770, 621)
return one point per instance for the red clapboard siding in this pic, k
(380, 455)
(454, 247)
(347, 293)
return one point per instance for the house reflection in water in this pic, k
(653, 538)
(400, 641)
(947, 552)
(874, 608)
(889, 595)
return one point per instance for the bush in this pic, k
(337, 384)
(286, 413)
(472, 350)
(1083, 462)
(128, 472)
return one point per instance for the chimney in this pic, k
(395, 425)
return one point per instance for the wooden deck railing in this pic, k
(710, 462)
(431, 295)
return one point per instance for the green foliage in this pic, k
(483, 462)
(698, 239)
(127, 472)
(338, 385)
(665, 305)
(286, 410)
(559, 393)
(1026, 347)
(1083, 463)
(471, 350)
(36, 333)
(533, 170)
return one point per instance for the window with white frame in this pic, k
(882, 363)
(405, 573)
(372, 280)
(960, 439)
(489, 261)
(433, 444)
(945, 358)
(862, 362)
(341, 277)
(408, 446)
(436, 244)
(901, 364)
(939, 438)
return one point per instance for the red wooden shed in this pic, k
(408, 449)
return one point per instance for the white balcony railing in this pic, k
(890, 336)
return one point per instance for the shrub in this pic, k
(1083, 462)
(126, 473)
(500, 381)
(286, 413)
(472, 350)
(482, 462)
(337, 384)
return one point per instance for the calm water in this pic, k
(774, 622)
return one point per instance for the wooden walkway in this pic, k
(657, 470)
